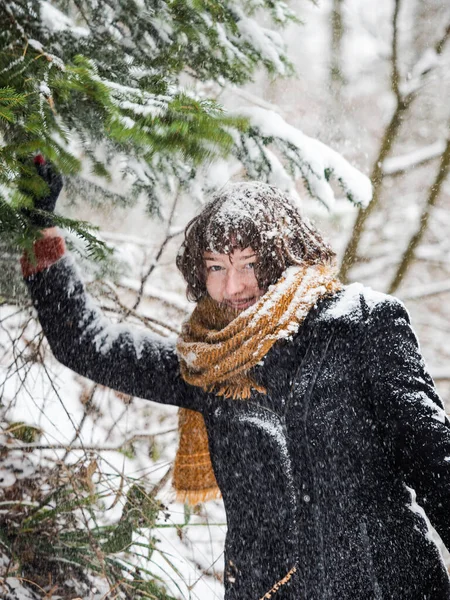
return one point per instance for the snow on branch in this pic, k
(431, 289)
(268, 43)
(405, 162)
(56, 21)
(428, 62)
(307, 158)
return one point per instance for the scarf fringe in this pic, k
(235, 391)
(193, 497)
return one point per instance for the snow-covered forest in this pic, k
(148, 107)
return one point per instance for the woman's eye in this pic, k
(250, 266)
(215, 268)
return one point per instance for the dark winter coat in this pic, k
(321, 472)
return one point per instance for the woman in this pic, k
(309, 399)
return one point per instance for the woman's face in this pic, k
(231, 279)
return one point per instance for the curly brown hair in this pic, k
(256, 215)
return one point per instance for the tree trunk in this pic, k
(408, 256)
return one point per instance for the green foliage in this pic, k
(24, 433)
(98, 81)
(140, 510)
(49, 530)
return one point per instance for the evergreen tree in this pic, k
(100, 81)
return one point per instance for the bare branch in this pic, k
(409, 254)
(390, 135)
(130, 311)
(337, 31)
(400, 164)
(395, 75)
(426, 64)
(83, 448)
(433, 289)
(162, 482)
(440, 44)
(172, 305)
(158, 255)
(87, 405)
(404, 101)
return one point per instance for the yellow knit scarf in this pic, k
(217, 348)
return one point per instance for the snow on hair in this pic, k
(256, 215)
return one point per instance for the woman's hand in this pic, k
(45, 204)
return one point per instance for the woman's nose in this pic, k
(235, 282)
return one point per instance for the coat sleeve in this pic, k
(124, 358)
(410, 409)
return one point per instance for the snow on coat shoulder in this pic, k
(355, 301)
(360, 305)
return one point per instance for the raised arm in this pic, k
(127, 359)
(410, 409)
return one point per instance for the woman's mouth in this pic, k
(240, 304)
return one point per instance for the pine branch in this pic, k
(54, 89)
